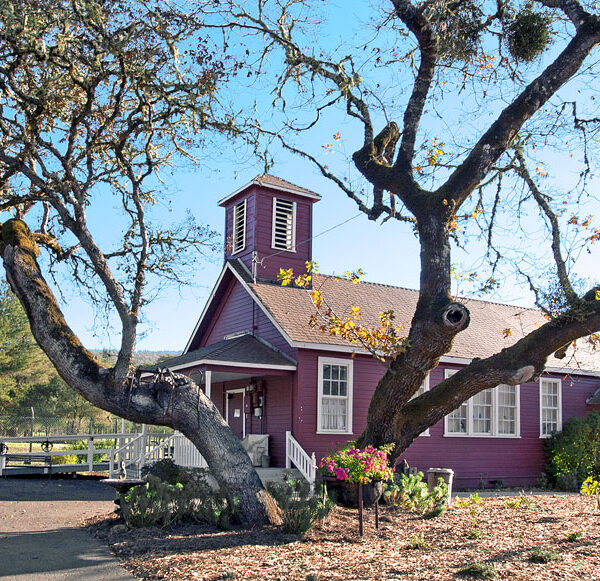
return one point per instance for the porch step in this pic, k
(276, 474)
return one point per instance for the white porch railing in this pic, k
(185, 454)
(139, 450)
(295, 454)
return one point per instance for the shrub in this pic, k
(159, 503)
(411, 493)
(591, 486)
(544, 555)
(478, 571)
(574, 536)
(155, 503)
(418, 542)
(473, 499)
(165, 470)
(300, 510)
(574, 453)
(520, 502)
(474, 530)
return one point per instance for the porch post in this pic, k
(208, 383)
(288, 461)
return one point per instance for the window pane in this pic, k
(422, 389)
(481, 406)
(333, 416)
(507, 409)
(457, 420)
(550, 402)
(334, 401)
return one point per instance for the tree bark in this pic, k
(436, 322)
(179, 403)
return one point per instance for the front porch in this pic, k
(251, 383)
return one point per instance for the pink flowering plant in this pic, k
(359, 466)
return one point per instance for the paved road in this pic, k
(40, 533)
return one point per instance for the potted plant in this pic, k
(348, 468)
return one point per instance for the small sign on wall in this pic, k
(237, 413)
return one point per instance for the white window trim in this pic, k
(235, 250)
(335, 361)
(242, 391)
(294, 206)
(426, 384)
(559, 415)
(495, 408)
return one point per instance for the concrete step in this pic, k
(276, 474)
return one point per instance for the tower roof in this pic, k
(275, 183)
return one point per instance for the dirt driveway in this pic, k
(40, 533)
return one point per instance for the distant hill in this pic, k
(144, 358)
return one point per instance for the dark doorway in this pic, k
(235, 413)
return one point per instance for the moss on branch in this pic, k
(16, 233)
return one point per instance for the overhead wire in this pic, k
(260, 261)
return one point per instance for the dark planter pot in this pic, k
(346, 493)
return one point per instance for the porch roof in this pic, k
(241, 351)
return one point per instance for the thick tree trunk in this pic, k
(393, 417)
(436, 322)
(179, 404)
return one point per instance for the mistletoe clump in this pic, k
(458, 26)
(528, 35)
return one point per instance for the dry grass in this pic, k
(334, 551)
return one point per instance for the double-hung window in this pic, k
(550, 406)
(492, 412)
(334, 405)
(239, 227)
(284, 225)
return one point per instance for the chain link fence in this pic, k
(24, 426)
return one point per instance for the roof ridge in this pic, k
(273, 178)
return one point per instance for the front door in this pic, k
(235, 412)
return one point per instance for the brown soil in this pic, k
(334, 551)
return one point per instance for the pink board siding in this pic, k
(237, 311)
(514, 461)
(367, 372)
(233, 314)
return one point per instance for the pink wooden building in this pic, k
(269, 372)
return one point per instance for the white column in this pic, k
(207, 383)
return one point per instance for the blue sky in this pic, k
(388, 253)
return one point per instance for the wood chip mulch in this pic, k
(488, 532)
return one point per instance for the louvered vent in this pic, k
(239, 227)
(284, 218)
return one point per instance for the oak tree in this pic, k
(96, 97)
(446, 106)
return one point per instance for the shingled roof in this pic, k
(493, 326)
(269, 181)
(243, 349)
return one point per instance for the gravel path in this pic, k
(41, 536)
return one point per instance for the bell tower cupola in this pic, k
(268, 226)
